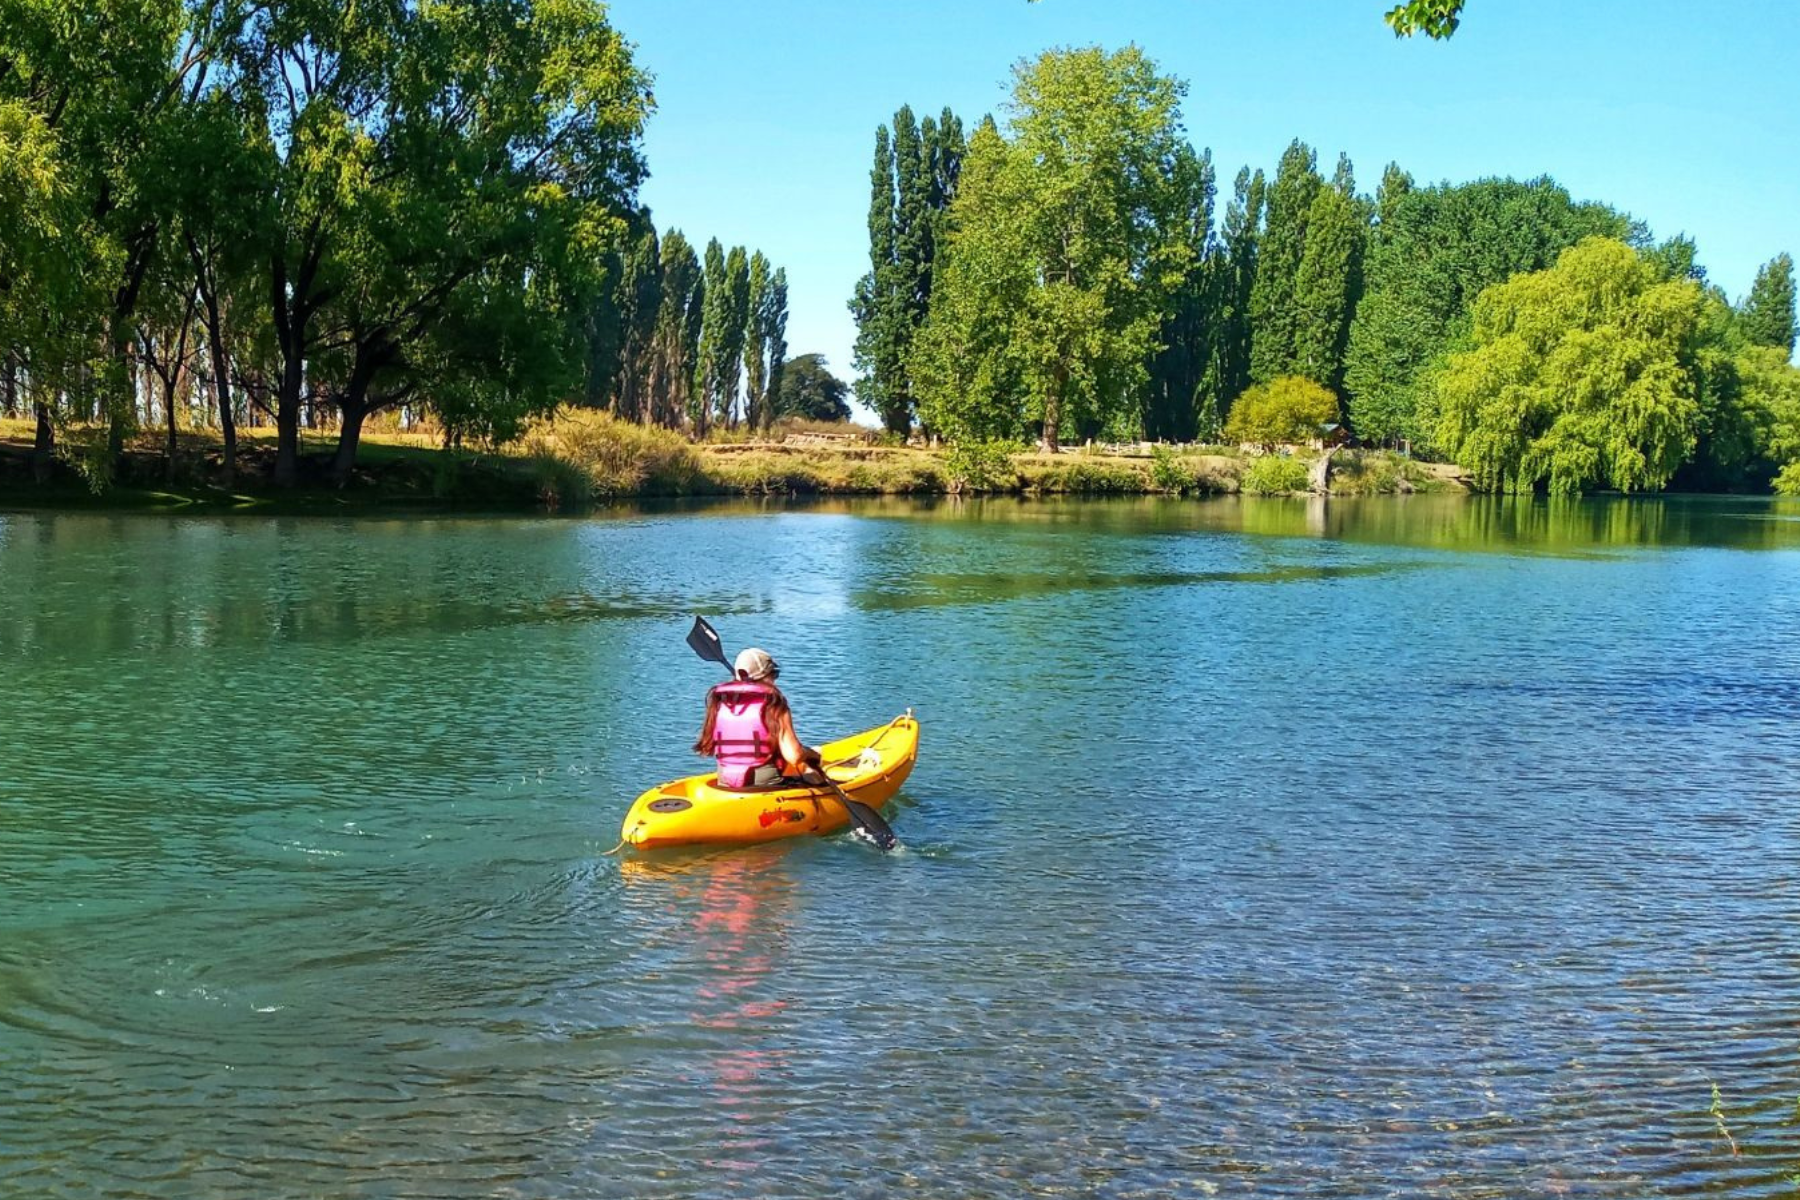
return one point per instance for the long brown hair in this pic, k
(773, 710)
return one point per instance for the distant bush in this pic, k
(1787, 483)
(983, 466)
(1084, 476)
(1288, 410)
(1172, 472)
(584, 455)
(1275, 475)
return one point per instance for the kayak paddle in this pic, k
(703, 639)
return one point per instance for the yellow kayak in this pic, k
(870, 766)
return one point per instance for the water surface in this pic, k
(1413, 847)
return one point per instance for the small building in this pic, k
(1331, 434)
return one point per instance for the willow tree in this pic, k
(1067, 236)
(1577, 377)
(1434, 252)
(421, 159)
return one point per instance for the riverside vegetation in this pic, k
(318, 217)
(584, 457)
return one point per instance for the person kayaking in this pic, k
(749, 728)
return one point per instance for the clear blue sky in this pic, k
(1683, 114)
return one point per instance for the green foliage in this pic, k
(1433, 18)
(585, 455)
(1274, 315)
(1172, 406)
(983, 466)
(1772, 389)
(1436, 249)
(1289, 410)
(1577, 377)
(1066, 240)
(1767, 318)
(912, 183)
(1787, 480)
(1078, 475)
(674, 359)
(1275, 475)
(769, 335)
(1232, 266)
(809, 389)
(1328, 284)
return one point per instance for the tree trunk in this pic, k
(1049, 442)
(349, 435)
(1320, 482)
(287, 425)
(45, 446)
(169, 409)
(9, 384)
(227, 426)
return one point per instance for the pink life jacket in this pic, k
(741, 741)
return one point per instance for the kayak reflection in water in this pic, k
(749, 728)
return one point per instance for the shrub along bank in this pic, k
(584, 458)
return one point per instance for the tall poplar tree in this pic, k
(1329, 282)
(771, 326)
(709, 366)
(756, 362)
(912, 184)
(675, 344)
(1234, 265)
(632, 305)
(1172, 395)
(737, 323)
(1274, 316)
(1767, 317)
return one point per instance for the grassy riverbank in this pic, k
(587, 458)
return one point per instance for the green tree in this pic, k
(1172, 397)
(1274, 312)
(1436, 249)
(1328, 283)
(634, 305)
(1767, 317)
(1233, 267)
(1580, 376)
(771, 332)
(709, 367)
(809, 389)
(756, 362)
(1288, 410)
(1066, 241)
(1396, 185)
(912, 184)
(733, 336)
(675, 341)
(432, 167)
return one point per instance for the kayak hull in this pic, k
(870, 766)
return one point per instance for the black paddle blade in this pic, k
(871, 823)
(704, 640)
(862, 816)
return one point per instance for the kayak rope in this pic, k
(876, 741)
(622, 844)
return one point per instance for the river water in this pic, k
(1426, 847)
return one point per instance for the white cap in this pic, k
(754, 664)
